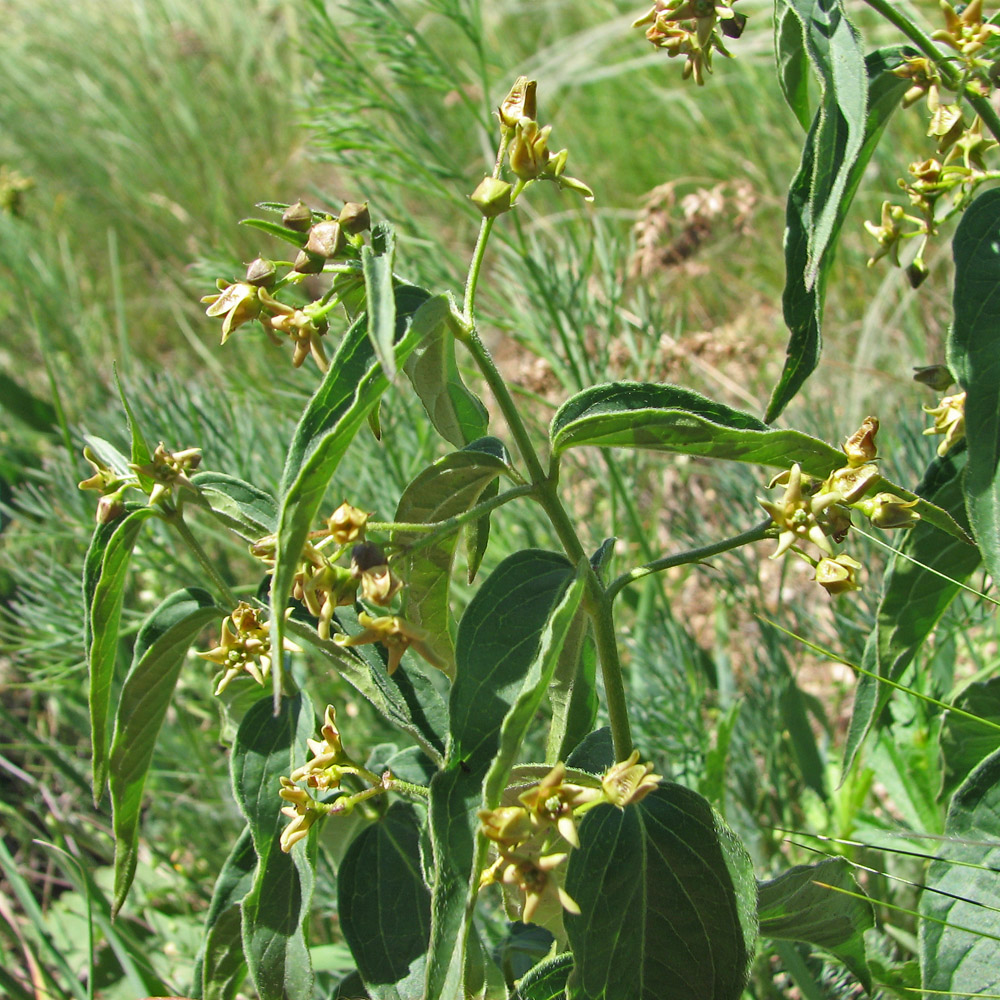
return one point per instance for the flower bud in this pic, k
(887, 511)
(261, 273)
(851, 483)
(110, 508)
(308, 263)
(860, 446)
(347, 524)
(916, 273)
(937, 377)
(838, 575)
(492, 197)
(355, 218)
(326, 240)
(297, 217)
(519, 103)
(529, 152)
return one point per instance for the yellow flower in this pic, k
(629, 781)
(949, 420)
(396, 634)
(238, 302)
(838, 575)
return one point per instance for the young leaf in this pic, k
(451, 486)
(104, 572)
(376, 266)
(242, 507)
(336, 412)
(270, 744)
(573, 692)
(793, 907)
(858, 98)
(973, 357)
(456, 412)
(671, 419)
(141, 455)
(157, 658)
(546, 981)
(384, 906)
(500, 637)
(792, 61)
(670, 871)
(962, 959)
(915, 593)
(220, 967)
(292, 236)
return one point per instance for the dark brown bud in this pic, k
(326, 240)
(309, 263)
(354, 218)
(365, 556)
(261, 273)
(298, 217)
(938, 377)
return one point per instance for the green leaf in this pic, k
(477, 534)
(966, 742)
(105, 569)
(220, 967)
(671, 419)
(546, 981)
(107, 453)
(376, 266)
(595, 753)
(141, 455)
(792, 61)
(160, 649)
(793, 907)
(292, 236)
(448, 487)
(502, 651)
(456, 412)
(384, 906)
(670, 871)
(914, 596)
(573, 691)
(275, 911)
(242, 507)
(407, 699)
(336, 412)
(858, 98)
(975, 361)
(38, 414)
(961, 890)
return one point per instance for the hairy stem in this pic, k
(177, 522)
(689, 556)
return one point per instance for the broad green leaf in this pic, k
(105, 569)
(384, 906)
(477, 534)
(546, 981)
(914, 596)
(858, 98)
(408, 699)
(595, 752)
(275, 911)
(557, 632)
(336, 412)
(793, 907)
(292, 236)
(242, 507)
(501, 635)
(962, 890)
(671, 419)
(670, 871)
(376, 266)
(220, 967)
(792, 61)
(451, 486)
(456, 412)
(573, 692)
(38, 414)
(157, 658)
(520, 952)
(966, 742)
(975, 361)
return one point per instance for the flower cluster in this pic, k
(693, 29)
(325, 244)
(817, 513)
(532, 839)
(244, 647)
(949, 420)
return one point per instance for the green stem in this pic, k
(606, 640)
(757, 534)
(438, 529)
(177, 522)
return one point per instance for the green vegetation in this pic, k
(141, 135)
